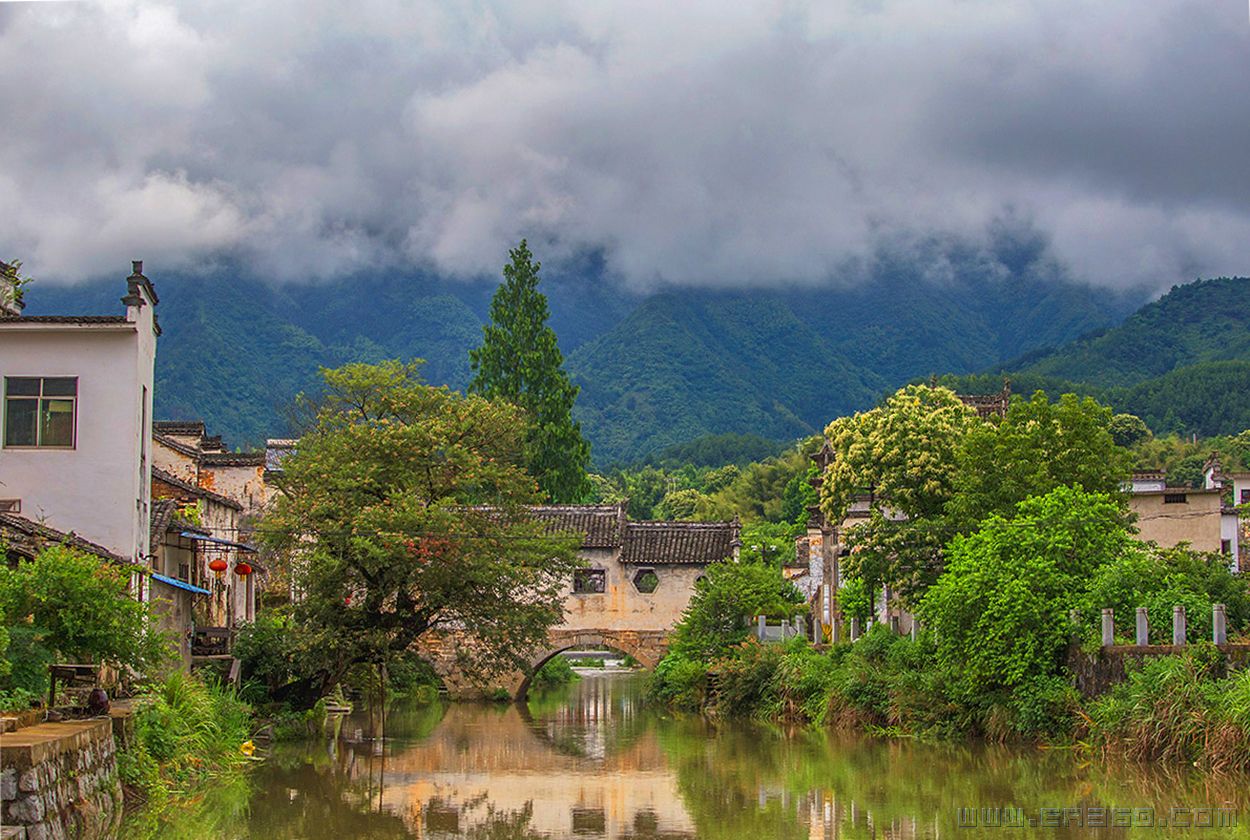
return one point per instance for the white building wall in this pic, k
(101, 488)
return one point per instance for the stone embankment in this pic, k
(59, 780)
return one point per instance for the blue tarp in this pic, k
(180, 584)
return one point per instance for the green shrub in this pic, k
(266, 651)
(724, 604)
(679, 682)
(78, 606)
(27, 661)
(1044, 707)
(1159, 579)
(556, 671)
(746, 680)
(186, 732)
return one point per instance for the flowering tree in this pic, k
(903, 453)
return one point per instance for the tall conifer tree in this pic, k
(520, 361)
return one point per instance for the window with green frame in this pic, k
(40, 411)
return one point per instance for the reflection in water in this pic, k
(589, 761)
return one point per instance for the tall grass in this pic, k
(1178, 710)
(186, 732)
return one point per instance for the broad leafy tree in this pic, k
(1038, 446)
(401, 512)
(520, 361)
(1000, 611)
(904, 454)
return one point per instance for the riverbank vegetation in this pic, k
(1006, 538)
(186, 732)
(68, 606)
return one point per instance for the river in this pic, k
(592, 761)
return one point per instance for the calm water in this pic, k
(591, 762)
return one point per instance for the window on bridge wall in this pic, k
(589, 581)
(646, 581)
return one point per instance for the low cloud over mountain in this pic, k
(732, 144)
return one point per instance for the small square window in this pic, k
(1226, 546)
(589, 581)
(1245, 497)
(40, 412)
(1175, 499)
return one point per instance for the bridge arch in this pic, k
(646, 650)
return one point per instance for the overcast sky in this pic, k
(690, 142)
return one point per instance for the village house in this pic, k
(639, 576)
(221, 494)
(1172, 516)
(77, 409)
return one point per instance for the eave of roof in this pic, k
(39, 531)
(195, 490)
(110, 323)
(176, 445)
(678, 543)
(232, 459)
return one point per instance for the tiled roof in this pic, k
(232, 459)
(679, 543)
(179, 427)
(162, 514)
(63, 319)
(193, 490)
(175, 444)
(26, 537)
(600, 523)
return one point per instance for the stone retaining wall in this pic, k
(59, 780)
(1097, 672)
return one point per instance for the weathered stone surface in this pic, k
(63, 778)
(646, 646)
(1097, 672)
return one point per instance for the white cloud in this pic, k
(690, 143)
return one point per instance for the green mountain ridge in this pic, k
(1181, 363)
(655, 370)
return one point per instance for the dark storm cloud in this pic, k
(688, 143)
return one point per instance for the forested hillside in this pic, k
(655, 370)
(1181, 363)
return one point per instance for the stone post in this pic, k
(1219, 624)
(761, 622)
(1178, 624)
(785, 629)
(1108, 627)
(915, 628)
(894, 624)
(854, 629)
(1143, 628)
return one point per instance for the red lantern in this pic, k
(242, 569)
(218, 565)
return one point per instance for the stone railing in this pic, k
(1098, 671)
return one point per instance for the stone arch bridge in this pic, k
(638, 580)
(439, 649)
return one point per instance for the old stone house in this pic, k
(639, 576)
